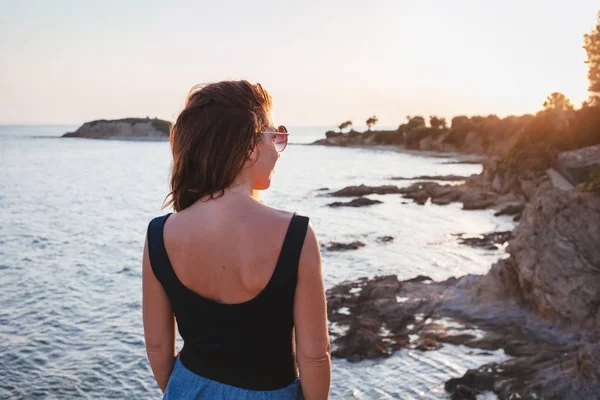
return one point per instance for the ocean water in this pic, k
(73, 215)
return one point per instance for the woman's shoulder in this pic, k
(282, 214)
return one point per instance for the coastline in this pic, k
(466, 157)
(538, 305)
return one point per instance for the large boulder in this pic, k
(556, 256)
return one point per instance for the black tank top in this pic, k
(248, 345)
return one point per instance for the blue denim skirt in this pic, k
(185, 384)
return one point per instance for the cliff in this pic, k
(554, 264)
(125, 129)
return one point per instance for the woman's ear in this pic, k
(254, 152)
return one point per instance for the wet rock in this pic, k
(363, 190)
(569, 371)
(469, 386)
(488, 241)
(360, 202)
(468, 161)
(385, 239)
(511, 209)
(420, 278)
(381, 313)
(322, 189)
(335, 246)
(477, 199)
(427, 344)
(420, 192)
(378, 316)
(362, 342)
(447, 178)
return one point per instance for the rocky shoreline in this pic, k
(474, 193)
(541, 304)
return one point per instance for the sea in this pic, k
(73, 217)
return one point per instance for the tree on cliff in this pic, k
(414, 122)
(437, 123)
(344, 125)
(371, 121)
(558, 102)
(592, 47)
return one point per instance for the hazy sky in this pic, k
(323, 61)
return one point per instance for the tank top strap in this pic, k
(286, 270)
(159, 260)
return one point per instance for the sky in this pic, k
(324, 62)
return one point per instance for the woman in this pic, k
(242, 280)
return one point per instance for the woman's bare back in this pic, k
(226, 249)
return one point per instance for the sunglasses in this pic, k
(280, 138)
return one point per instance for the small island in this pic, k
(124, 129)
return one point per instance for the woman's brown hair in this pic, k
(212, 137)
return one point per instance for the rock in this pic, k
(360, 202)
(447, 178)
(473, 143)
(322, 142)
(335, 246)
(528, 188)
(420, 192)
(322, 189)
(476, 199)
(381, 312)
(427, 143)
(427, 344)
(333, 134)
(351, 138)
(369, 141)
(471, 194)
(467, 161)
(469, 385)
(420, 278)
(385, 239)
(558, 181)
(556, 254)
(363, 190)
(569, 371)
(487, 241)
(129, 128)
(511, 209)
(541, 305)
(574, 164)
(497, 184)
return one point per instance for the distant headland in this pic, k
(124, 129)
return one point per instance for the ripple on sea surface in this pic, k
(74, 216)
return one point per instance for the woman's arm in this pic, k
(159, 324)
(310, 320)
